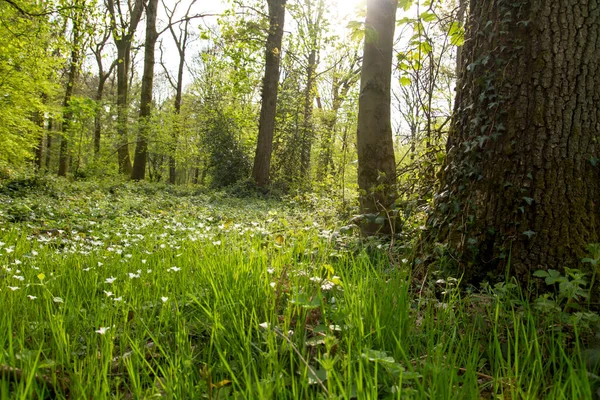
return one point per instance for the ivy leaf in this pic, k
(540, 273)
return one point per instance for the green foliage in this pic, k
(228, 162)
(28, 70)
(181, 293)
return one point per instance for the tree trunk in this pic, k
(39, 149)
(63, 160)
(49, 143)
(307, 122)
(123, 50)
(98, 114)
(123, 36)
(141, 150)
(264, 146)
(177, 128)
(341, 87)
(376, 161)
(520, 184)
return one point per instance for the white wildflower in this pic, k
(102, 330)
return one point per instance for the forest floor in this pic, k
(130, 291)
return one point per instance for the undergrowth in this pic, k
(115, 290)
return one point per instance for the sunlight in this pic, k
(346, 8)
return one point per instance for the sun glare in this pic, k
(348, 7)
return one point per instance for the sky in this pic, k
(345, 9)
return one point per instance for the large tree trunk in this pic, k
(520, 184)
(376, 161)
(264, 146)
(141, 150)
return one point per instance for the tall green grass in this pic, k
(224, 298)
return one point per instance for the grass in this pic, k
(124, 291)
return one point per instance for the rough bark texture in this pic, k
(521, 181)
(141, 149)
(264, 146)
(376, 162)
(123, 36)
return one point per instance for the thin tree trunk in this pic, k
(376, 161)
(49, 143)
(39, 149)
(63, 161)
(264, 146)
(98, 116)
(123, 36)
(141, 150)
(307, 122)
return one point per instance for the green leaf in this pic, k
(428, 16)
(316, 376)
(405, 4)
(540, 273)
(377, 356)
(554, 273)
(405, 81)
(457, 34)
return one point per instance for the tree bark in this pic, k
(48, 158)
(376, 161)
(141, 150)
(264, 146)
(39, 149)
(123, 36)
(308, 131)
(63, 160)
(102, 78)
(520, 184)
